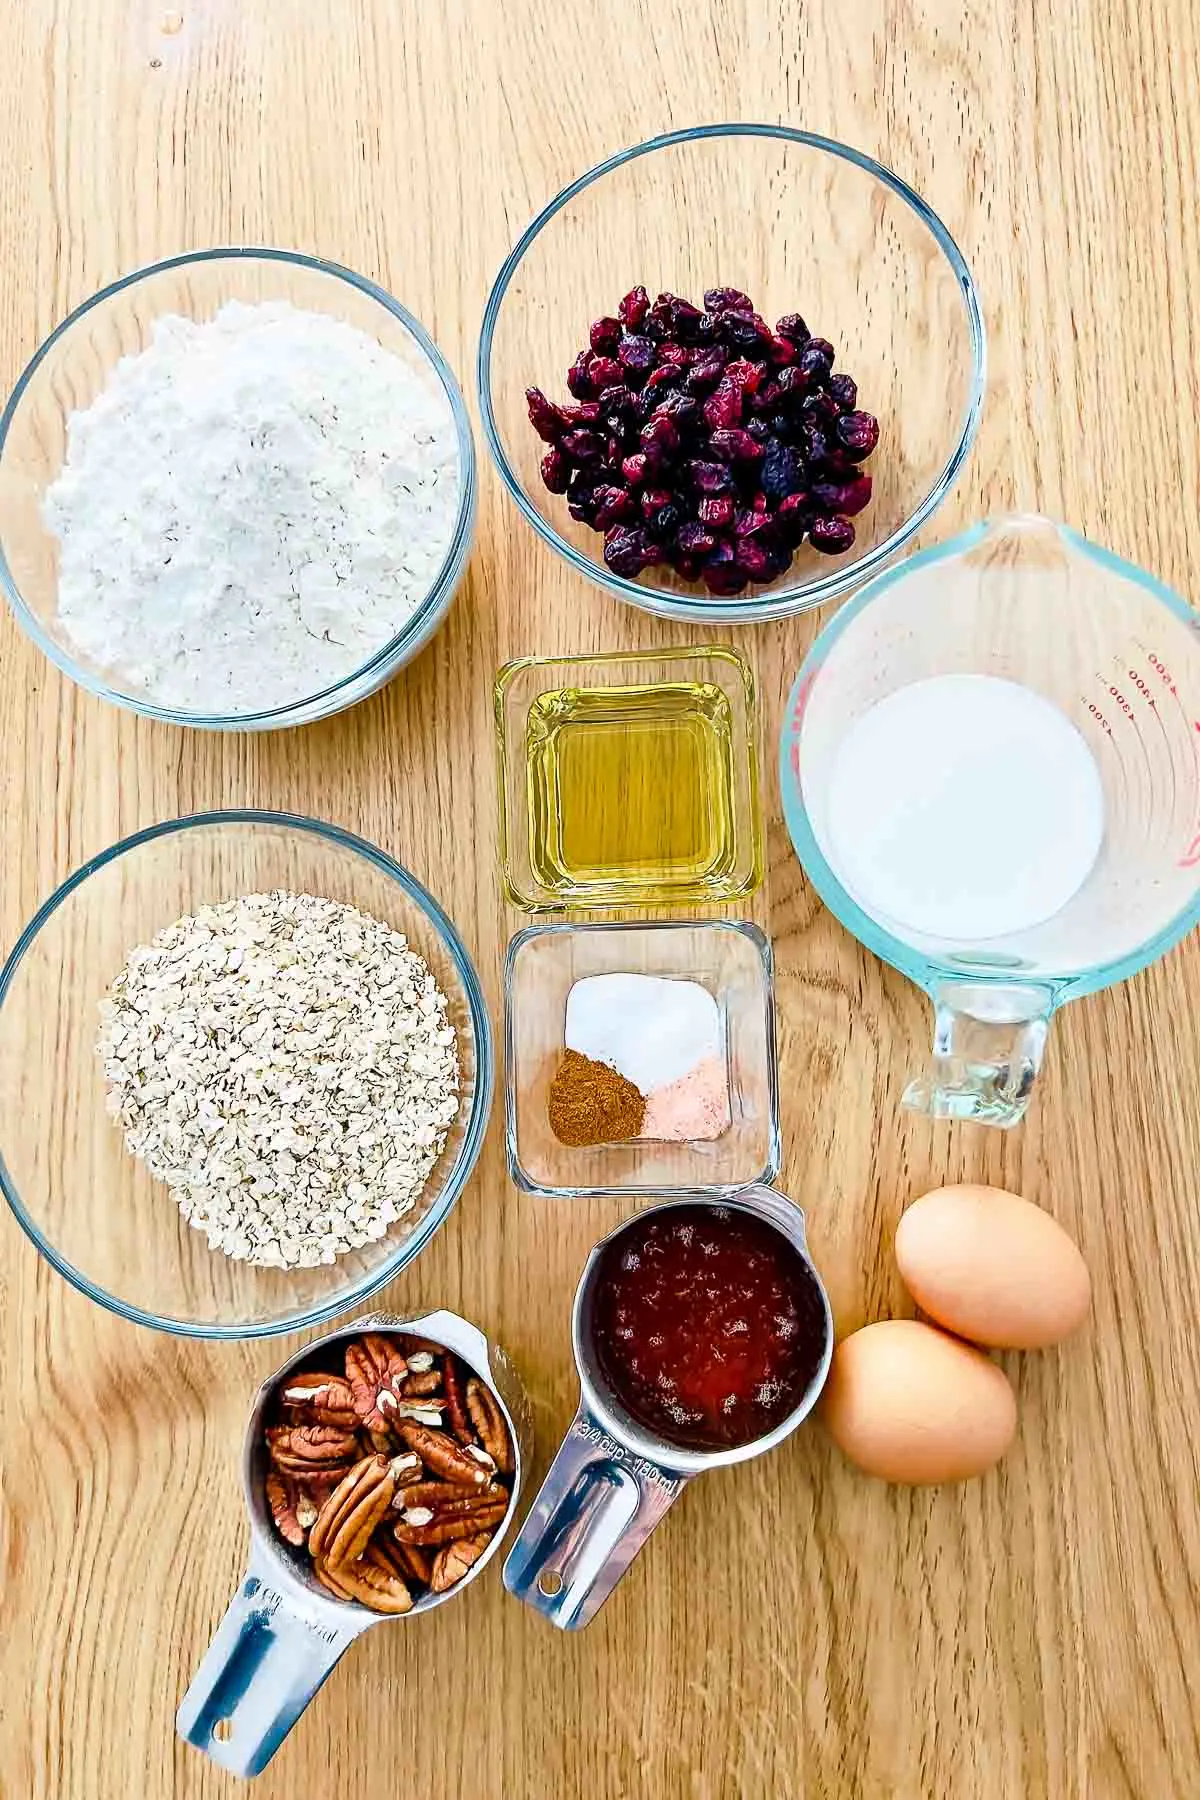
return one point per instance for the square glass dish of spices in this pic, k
(628, 780)
(641, 1059)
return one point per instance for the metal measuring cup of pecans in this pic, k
(381, 1470)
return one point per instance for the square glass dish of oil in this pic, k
(628, 780)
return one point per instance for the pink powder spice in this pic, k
(693, 1109)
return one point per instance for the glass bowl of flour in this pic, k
(237, 490)
(245, 1073)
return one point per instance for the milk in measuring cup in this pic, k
(964, 807)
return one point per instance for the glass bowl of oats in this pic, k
(245, 1072)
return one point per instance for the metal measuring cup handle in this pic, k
(280, 1639)
(596, 1508)
(273, 1649)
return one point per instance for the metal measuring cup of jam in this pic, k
(703, 1336)
(283, 1632)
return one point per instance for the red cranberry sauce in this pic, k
(708, 1325)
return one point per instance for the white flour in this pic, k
(252, 507)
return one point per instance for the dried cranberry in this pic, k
(633, 468)
(636, 353)
(745, 333)
(815, 364)
(666, 375)
(831, 536)
(673, 316)
(721, 573)
(716, 510)
(687, 566)
(734, 445)
(579, 379)
(653, 499)
(824, 346)
(756, 561)
(759, 430)
(694, 537)
(857, 433)
(611, 504)
(582, 445)
(586, 413)
(792, 327)
(846, 497)
(605, 335)
(678, 354)
(782, 471)
(709, 477)
(544, 416)
(706, 371)
(617, 402)
(556, 470)
(604, 372)
(726, 299)
(723, 408)
(814, 442)
(660, 438)
(747, 375)
(628, 550)
(794, 517)
(683, 408)
(843, 390)
(634, 307)
(780, 350)
(748, 522)
(820, 407)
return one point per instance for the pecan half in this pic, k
(381, 1588)
(374, 1366)
(443, 1456)
(306, 1449)
(452, 1563)
(351, 1513)
(283, 1499)
(415, 1562)
(456, 1406)
(488, 1421)
(318, 1399)
(459, 1519)
(433, 1493)
(428, 1382)
(407, 1469)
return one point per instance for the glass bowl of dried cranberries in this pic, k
(731, 371)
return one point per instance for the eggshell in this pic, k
(907, 1403)
(993, 1268)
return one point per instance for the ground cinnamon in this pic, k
(591, 1104)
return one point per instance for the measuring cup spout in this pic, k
(988, 1040)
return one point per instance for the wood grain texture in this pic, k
(793, 1630)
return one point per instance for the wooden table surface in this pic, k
(794, 1630)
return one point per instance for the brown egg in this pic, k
(992, 1267)
(907, 1403)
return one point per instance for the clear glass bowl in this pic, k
(800, 223)
(732, 959)
(74, 365)
(90, 1206)
(629, 779)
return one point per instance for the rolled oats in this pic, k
(286, 1065)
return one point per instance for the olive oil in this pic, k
(632, 788)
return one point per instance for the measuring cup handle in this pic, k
(596, 1508)
(271, 1652)
(988, 1040)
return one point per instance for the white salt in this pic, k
(649, 1029)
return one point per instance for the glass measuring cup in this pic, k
(283, 1633)
(1030, 601)
(612, 1480)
